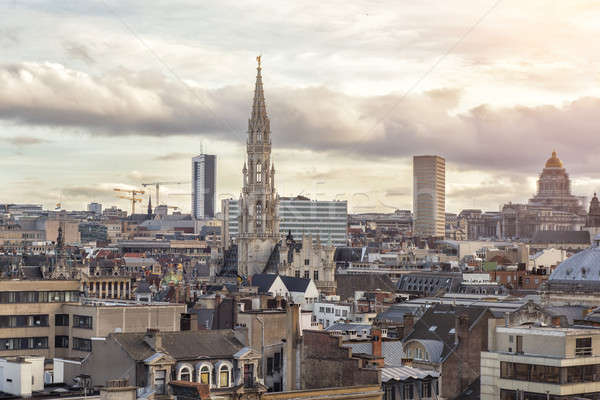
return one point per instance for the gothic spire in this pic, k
(259, 120)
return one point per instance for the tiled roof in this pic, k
(188, 345)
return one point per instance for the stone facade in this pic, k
(259, 220)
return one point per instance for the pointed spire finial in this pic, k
(258, 60)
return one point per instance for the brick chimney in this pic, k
(376, 342)
(408, 324)
(154, 339)
(461, 328)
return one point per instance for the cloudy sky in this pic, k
(102, 94)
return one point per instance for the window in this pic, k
(277, 362)
(316, 275)
(306, 261)
(321, 309)
(408, 391)
(82, 321)
(23, 321)
(389, 392)
(337, 312)
(306, 274)
(185, 374)
(519, 344)
(205, 375)
(297, 273)
(269, 365)
(61, 342)
(583, 346)
(248, 375)
(29, 343)
(258, 172)
(344, 313)
(61, 320)
(258, 214)
(82, 344)
(511, 339)
(224, 376)
(426, 389)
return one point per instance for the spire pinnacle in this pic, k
(259, 122)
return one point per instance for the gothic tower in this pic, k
(259, 222)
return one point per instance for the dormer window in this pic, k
(224, 376)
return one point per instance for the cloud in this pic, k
(78, 51)
(88, 193)
(174, 156)
(312, 118)
(21, 141)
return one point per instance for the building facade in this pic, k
(429, 195)
(204, 176)
(326, 220)
(258, 220)
(545, 363)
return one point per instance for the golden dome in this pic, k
(554, 161)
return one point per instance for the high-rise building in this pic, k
(429, 195)
(324, 220)
(258, 221)
(95, 208)
(204, 172)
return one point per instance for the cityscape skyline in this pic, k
(341, 116)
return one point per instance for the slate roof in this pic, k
(344, 327)
(348, 284)
(188, 345)
(294, 284)
(390, 350)
(443, 318)
(143, 287)
(570, 237)
(396, 312)
(263, 282)
(583, 266)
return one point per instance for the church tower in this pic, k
(259, 222)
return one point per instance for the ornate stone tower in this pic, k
(259, 222)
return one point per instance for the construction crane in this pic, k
(131, 197)
(157, 187)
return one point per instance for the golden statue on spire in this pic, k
(258, 59)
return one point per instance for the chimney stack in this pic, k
(154, 339)
(376, 342)
(408, 324)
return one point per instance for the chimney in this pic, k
(154, 339)
(461, 328)
(376, 343)
(408, 323)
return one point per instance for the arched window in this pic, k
(258, 172)
(204, 377)
(185, 374)
(259, 212)
(259, 136)
(224, 376)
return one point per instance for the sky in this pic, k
(102, 94)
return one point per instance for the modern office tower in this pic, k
(429, 195)
(95, 208)
(204, 176)
(327, 220)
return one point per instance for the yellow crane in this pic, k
(157, 187)
(131, 197)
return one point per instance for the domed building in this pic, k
(553, 208)
(578, 273)
(554, 188)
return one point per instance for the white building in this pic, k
(20, 376)
(326, 220)
(328, 313)
(528, 362)
(547, 258)
(429, 195)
